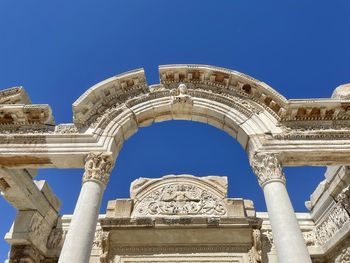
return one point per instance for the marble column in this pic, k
(288, 239)
(78, 243)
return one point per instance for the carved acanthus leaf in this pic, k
(267, 167)
(98, 167)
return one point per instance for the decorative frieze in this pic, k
(267, 168)
(341, 254)
(268, 243)
(310, 238)
(220, 80)
(97, 243)
(68, 128)
(314, 133)
(112, 92)
(98, 167)
(334, 221)
(115, 250)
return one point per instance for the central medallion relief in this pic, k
(179, 196)
(181, 199)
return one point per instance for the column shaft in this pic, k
(288, 239)
(78, 243)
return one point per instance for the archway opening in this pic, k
(184, 147)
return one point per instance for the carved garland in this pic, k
(98, 167)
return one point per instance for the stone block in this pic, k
(249, 208)
(44, 187)
(235, 207)
(120, 208)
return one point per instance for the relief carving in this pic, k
(255, 253)
(267, 167)
(267, 241)
(343, 256)
(97, 243)
(101, 242)
(344, 198)
(332, 224)
(341, 253)
(310, 238)
(25, 253)
(98, 167)
(180, 95)
(104, 258)
(40, 231)
(55, 238)
(180, 199)
(69, 128)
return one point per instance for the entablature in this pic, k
(111, 111)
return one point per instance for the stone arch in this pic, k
(275, 132)
(242, 106)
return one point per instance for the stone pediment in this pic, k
(179, 195)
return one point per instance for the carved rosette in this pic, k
(98, 167)
(267, 168)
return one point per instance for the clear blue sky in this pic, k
(58, 49)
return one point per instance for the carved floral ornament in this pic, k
(267, 168)
(98, 166)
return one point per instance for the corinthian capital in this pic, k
(267, 167)
(98, 166)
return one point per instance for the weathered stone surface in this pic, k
(179, 195)
(108, 113)
(185, 221)
(342, 92)
(274, 131)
